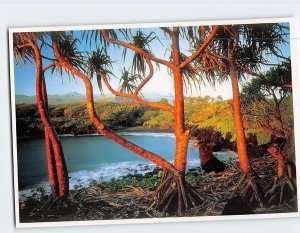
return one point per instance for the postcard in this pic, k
(144, 123)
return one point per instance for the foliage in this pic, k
(115, 185)
(163, 120)
(99, 63)
(201, 112)
(267, 101)
(128, 81)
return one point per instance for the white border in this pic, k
(294, 41)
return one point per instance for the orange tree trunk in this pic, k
(238, 122)
(278, 155)
(100, 127)
(52, 173)
(62, 173)
(180, 134)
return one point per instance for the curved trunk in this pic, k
(100, 127)
(52, 173)
(238, 122)
(62, 173)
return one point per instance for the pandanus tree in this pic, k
(269, 98)
(27, 47)
(239, 50)
(173, 193)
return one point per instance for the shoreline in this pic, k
(136, 129)
(130, 197)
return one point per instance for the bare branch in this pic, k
(149, 76)
(200, 49)
(136, 97)
(48, 67)
(136, 49)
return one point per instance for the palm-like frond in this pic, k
(194, 34)
(190, 74)
(143, 42)
(95, 36)
(20, 40)
(98, 62)
(253, 44)
(21, 53)
(68, 49)
(128, 81)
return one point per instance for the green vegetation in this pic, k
(201, 112)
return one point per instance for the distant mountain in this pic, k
(155, 96)
(75, 97)
(72, 97)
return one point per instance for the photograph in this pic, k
(146, 122)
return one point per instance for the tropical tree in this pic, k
(267, 103)
(173, 192)
(26, 48)
(239, 50)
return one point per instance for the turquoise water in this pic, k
(96, 157)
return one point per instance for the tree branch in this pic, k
(136, 49)
(48, 67)
(200, 49)
(102, 128)
(167, 30)
(149, 76)
(136, 97)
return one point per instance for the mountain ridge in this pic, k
(75, 97)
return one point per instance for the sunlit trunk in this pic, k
(52, 173)
(61, 169)
(238, 122)
(180, 134)
(280, 164)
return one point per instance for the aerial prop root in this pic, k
(175, 194)
(283, 190)
(249, 189)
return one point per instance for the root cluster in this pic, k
(174, 194)
(249, 189)
(283, 191)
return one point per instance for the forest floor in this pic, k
(131, 200)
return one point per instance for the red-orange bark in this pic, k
(279, 160)
(62, 173)
(52, 174)
(177, 66)
(136, 97)
(201, 48)
(97, 122)
(180, 134)
(136, 49)
(238, 122)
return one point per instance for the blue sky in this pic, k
(160, 83)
